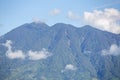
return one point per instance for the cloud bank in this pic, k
(114, 50)
(55, 12)
(108, 19)
(73, 16)
(19, 54)
(38, 55)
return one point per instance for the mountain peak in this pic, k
(63, 25)
(60, 24)
(38, 24)
(34, 25)
(74, 51)
(89, 28)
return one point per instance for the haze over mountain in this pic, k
(36, 51)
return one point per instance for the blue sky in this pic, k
(14, 13)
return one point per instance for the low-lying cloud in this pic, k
(107, 19)
(19, 54)
(13, 54)
(113, 50)
(38, 55)
(69, 67)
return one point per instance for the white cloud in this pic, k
(8, 45)
(55, 12)
(70, 67)
(108, 19)
(73, 16)
(13, 54)
(114, 50)
(38, 55)
(18, 54)
(37, 20)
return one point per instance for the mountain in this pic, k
(36, 51)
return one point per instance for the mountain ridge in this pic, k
(76, 53)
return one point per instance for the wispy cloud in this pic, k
(55, 12)
(38, 55)
(19, 54)
(108, 4)
(113, 50)
(38, 20)
(13, 54)
(1, 25)
(73, 16)
(107, 20)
